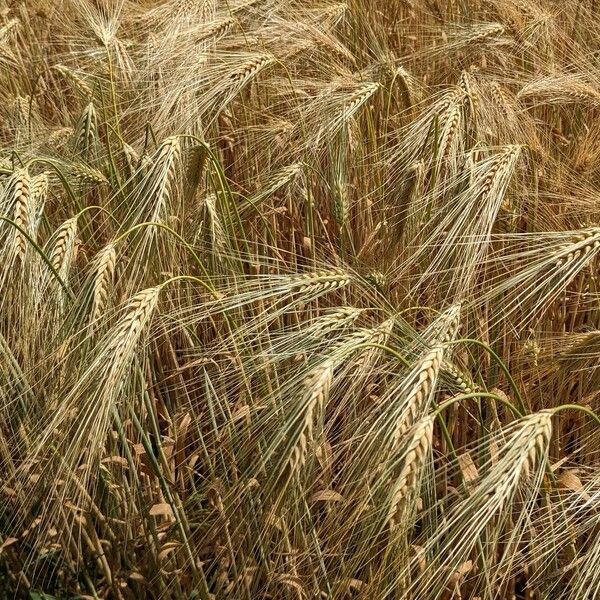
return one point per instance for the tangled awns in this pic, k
(299, 299)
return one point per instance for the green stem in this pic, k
(511, 381)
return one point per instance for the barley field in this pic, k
(299, 299)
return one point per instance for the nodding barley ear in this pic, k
(247, 71)
(333, 14)
(59, 138)
(87, 175)
(15, 203)
(319, 281)
(416, 447)
(481, 33)
(450, 100)
(500, 168)
(278, 180)
(450, 322)
(359, 349)
(22, 108)
(409, 83)
(133, 157)
(445, 327)
(139, 311)
(216, 30)
(191, 10)
(39, 192)
(22, 217)
(422, 382)
(341, 204)
(76, 80)
(468, 84)
(213, 227)
(61, 247)
(377, 278)
(358, 98)
(450, 128)
(196, 158)
(350, 103)
(104, 270)
(585, 242)
(84, 136)
(316, 386)
(334, 320)
(566, 89)
(157, 186)
(461, 380)
(500, 97)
